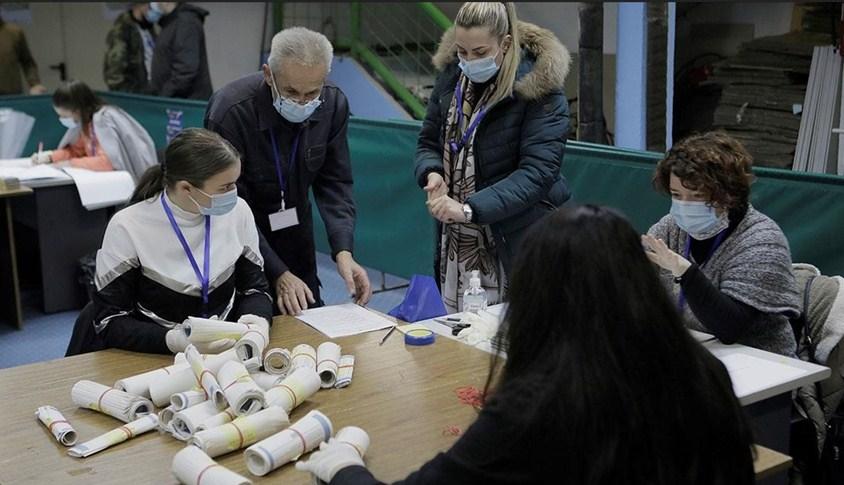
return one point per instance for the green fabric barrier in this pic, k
(808, 207)
(152, 113)
(395, 234)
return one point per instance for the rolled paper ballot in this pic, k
(115, 436)
(108, 400)
(303, 355)
(55, 422)
(206, 378)
(192, 464)
(241, 432)
(161, 389)
(328, 359)
(185, 399)
(265, 380)
(298, 386)
(139, 384)
(354, 437)
(206, 330)
(244, 396)
(185, 422)
(344, 371)
(277, 361)
(165, 416)
(218, 419)
(253, 341)
(301, 437)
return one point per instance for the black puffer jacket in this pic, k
(180, 61)
(518, 145)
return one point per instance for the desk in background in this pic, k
(10, 295)
(402, 396)
(66, 231)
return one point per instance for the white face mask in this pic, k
(221, 204)
(291, 110)
(479, 70)
(699, 219)
(68, 122)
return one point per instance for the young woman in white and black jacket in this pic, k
(187, 246)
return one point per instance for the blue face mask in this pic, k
(698, 219)
(479, 70)
(68, 122)
(291, 110)
(154, 13)
(220, 203)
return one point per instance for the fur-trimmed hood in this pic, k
(548, 73)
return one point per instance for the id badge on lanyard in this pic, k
(285, 217)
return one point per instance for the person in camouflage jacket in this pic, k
(130, 44)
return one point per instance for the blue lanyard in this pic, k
(203, 278)
(455, 145)
(718, 240)
(291, 159)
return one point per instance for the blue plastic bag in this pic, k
(421, 301)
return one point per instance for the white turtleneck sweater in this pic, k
(144, 276)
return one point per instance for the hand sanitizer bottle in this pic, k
(474, 298)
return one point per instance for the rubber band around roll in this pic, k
(419, 337)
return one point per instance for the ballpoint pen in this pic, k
(392, 329)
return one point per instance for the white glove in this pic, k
(261, 322)
(43, 157)
(177, 341)
(332, 457)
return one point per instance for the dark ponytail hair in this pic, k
(77, 96)
(194, 155)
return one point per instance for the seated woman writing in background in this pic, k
(602, 383)
(187, 246)
(729, 265)
(99, 136)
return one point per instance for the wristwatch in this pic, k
(467, 212)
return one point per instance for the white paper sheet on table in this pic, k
(344, 320)
(752, 374)
(37, 172)
(701, 336)
(102, 189)
(16, 162)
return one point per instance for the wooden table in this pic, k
(769, 463)
(402, 396)
(10, 293)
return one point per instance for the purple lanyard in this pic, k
(93, 142)
(718, 240)
(203, 278)
(454, 145)
(291, 159)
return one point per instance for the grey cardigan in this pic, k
(127, 144)
(753, 266)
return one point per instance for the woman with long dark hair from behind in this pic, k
(602, 384)
(187, 246)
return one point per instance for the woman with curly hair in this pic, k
(728, 264)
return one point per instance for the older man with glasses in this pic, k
(290, 129)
